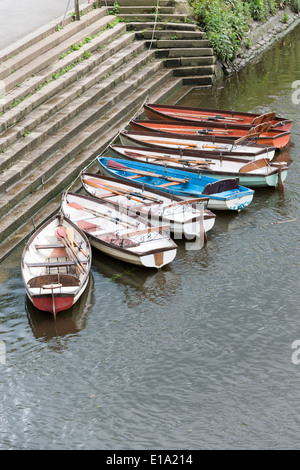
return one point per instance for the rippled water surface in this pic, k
(195, 356)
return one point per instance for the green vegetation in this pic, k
(227, 22)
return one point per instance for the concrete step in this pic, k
(153, 3)
(145, 10)
(54, 54)
(58, 94)
(35, 90)
(46, 199)
(41, 33)
(169, 35)
(182, 44)
(72, 31)
(193, 70)
(146, 18)
(199, 81)
(168, 25)
(80, 108)
(205, 53)
(202, 67)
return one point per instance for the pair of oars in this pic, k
(96, 213)
(98, 184)
(67, 237)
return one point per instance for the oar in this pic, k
(167, 158)
(62, 234)
(206, 116)
(70, 235)
(120, 192)
(75, 205)
(147, 173)
(171, 143)
(185, 130)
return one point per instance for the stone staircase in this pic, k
(70, 91)
(175, 39)
(67, 97)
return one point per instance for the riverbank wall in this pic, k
(261, 36)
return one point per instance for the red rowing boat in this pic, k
(267, 135)
(174, 113)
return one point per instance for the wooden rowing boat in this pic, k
(203, 144)
(223, 194)
(229, 131)
(251, 173)
(186, 218)
(56, 264)
(127, 237)
(165, 112)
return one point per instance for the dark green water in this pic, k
(196, 356)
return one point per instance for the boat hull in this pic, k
(55, 276)
(224, 200)
(185, 220)
(266, 174)
(126, 237)
(198, 145)
(150, 260)
(272, 138)
(163, 112)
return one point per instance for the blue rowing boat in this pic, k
(223, 194)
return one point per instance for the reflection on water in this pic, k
(139, 283)
(68, 322)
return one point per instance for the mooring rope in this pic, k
(155, 22)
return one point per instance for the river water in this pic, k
(196, 356)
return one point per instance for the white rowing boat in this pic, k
(127, 237)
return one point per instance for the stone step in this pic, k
(205, 53)
(41, 33)
(198, 80)
(169, 35)
(207, 70)
(128, 3)
(169, 25)
(42, 86)
(46, 199)
(56, 95)
(202, 67)
(182, 43)
(74, 30)
(145, 18)
(53, 55)
(78, 107)
(144, 10)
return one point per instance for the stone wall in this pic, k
(262, 36)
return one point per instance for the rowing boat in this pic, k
(229, 131)
(203, 144)
(186, 218)
(167, 113)
(55, 265)
(223, 194)
(251, 173)
(126, 237)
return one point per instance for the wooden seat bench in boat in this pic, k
(64, 279)
(53, 264)
(48, 247)
(167, 184)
